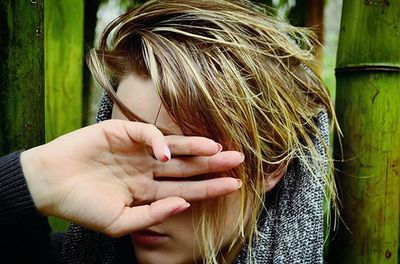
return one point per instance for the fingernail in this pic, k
(242, 157)
(167, 152)
(219, 147)
(239, 183)
(180, 209)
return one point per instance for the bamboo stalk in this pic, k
(368, 108)
(63, 72)
(21, 75)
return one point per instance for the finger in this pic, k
(140, 217)
(197, 190)
(182, 145)
(150, 135)
(190, 166)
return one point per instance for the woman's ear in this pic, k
(273, 178)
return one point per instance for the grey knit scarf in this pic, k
(291, 228)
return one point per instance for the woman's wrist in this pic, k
(35, 176)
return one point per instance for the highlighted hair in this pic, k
(228, 71)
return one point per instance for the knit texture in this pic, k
(291, 229)
(24, 231)
(15, 199)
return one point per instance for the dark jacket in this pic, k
(25, 235)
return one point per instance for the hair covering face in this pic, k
(290, 229)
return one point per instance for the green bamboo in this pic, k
(63, 72)
(368, 108)
(21, 75)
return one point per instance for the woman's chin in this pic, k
(157, 250)
(156, 255)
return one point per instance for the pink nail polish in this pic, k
(167, 152)
(180, 209)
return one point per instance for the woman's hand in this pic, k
(105, 177)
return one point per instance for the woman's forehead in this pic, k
(140, 96)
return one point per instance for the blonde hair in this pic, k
(228, 71)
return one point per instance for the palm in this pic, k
(103, 176)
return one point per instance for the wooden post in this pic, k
(310, 13)
(90, 21)
(21, 75)
(315, 20)
(63, 71)
(368, 107)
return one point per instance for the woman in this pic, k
(227, 71)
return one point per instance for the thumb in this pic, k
(140, 217)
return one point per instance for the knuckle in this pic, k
(182, 169)
(156, 220)
(152, 217)
(191, 146)
(172, 142)
(209, 164)
(156, 192)
(142, 197)
(141, 134)
(157, 169)
(182, 190)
